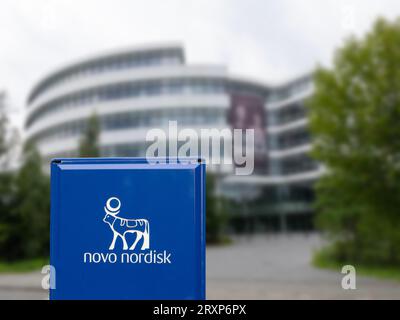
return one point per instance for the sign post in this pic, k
(125, 228)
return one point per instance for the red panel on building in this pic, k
(247, 112)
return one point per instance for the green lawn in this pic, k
(23, 265)
(322, 260)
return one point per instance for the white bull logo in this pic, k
(120, 227)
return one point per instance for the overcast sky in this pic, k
(271, 40)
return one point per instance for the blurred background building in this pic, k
(132, 91)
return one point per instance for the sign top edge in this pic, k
(129, 160)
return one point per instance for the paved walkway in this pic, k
(22, 286)
(262, 267)
(278, 267)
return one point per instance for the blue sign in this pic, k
(124, 228)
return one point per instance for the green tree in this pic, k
(7, 217)
(89, 144)
(6, 183)
(29, 230)
(354, 117)
(25, 209)
(215, 212)
(24, 198)
(8, 135)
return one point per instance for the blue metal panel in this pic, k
(126, 229)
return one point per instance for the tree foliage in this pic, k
(25, 209)
(9, 137)
(89, 144)
(355, 117)
(215, 212)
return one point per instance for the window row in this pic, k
(294, 88)
(138, 119)
(285, 193)
(287, 114)
(133, 150)
(130, 90)
(289, 139)
(132, 60)
(292, 165)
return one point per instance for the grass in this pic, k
(23, 265)
(323, 260)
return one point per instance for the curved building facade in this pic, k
(130, 92)
(134, 90)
